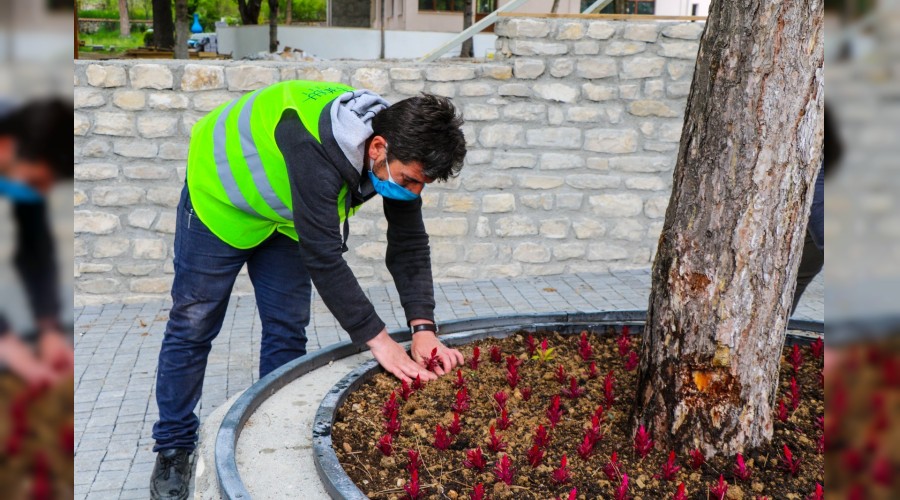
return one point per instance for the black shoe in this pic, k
(171, 475)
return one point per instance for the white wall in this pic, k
(341, 43)
(681, 7)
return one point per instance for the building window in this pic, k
(443, 5)
(633, 7)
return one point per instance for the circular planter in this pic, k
(332, 475)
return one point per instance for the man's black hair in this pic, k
(425, 128)
(42, 130)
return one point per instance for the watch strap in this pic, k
(425, 327)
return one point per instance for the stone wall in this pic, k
(572, 135)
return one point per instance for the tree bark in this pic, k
(468, 47)
(381, 23)
(182, 29)
(288, 12)
(163, 25)
(619, 6)
(249, 10)
(727, 259)
(273, 25)
(555, 7)
(124, 21)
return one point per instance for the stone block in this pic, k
(593, 181)
(107, 246)
(532, 253)
(600, 92)
(147, 172)
(501, 135)
(595, 68)
(540, 182)
(154, 126)
(248, 77)
(151, 76)
(521, 47)
(142, 218)
(641, 163)
(92, 268)
(168, 101)
(542, 201)
(562, 67)
(119, 124)
(648, 107)
(685, 31)
(523, 111)
(409, 88)
(208, 101)
(555, 228)
(498, 203)
(568, 251)
(445, 253)
(527, 28)
(456, 202)
(642, 32)
(646, 183)
(559, 92)
(202, 77)
(629, 230)
(554, 137)
(642, 67)
(588, 229)
(95, 171)
(504, 160)
(79, 197)
(570, 30)
(81, 125)
(98, 286)
(569, 201)
(497, 71)
(135, 149)
(483, 228)
(443, 89)
(515, 90)
(482, 181)
(654, 89)
(583, 114)
(670, 131)
(116, 196)
(678, 90)
(610, 140)
(92, 222)
(173, 151)
(679, 69)
(528, 69)
(480, 112)
(606, 251)
(404, 74)
(561, 161)
(481, 252)
(601, 30)
(151, 285)
(629, 91)
(479, 156)
(164, 196)
(136, 269)
(447, 226)
(88, 98)
(102, 75)
(152, 249)
(624, 48)
(586, 48)
(475, 89)
(655, 207)
(371, 250)
(449, 73)
(679, 50)
(514, 226)
(616, 205)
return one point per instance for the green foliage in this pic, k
(309, 10)
(111, 37)
(112, 14)
(544, 355)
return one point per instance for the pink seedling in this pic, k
(461, 405)
(433, 361)
(385, 445)
(501, 398)
(392, 425)
(535, 456)
(669, 469)
(561, 474)
(594, 432)
(795, 394)
(642, 442)
(586, 448)
(531, 345)
(512, 362)
(541, 437)
(782, 411)
(622, 490)
(718, 491)
(413, 460)
(796, 358)
(789, 463)
(613, 468)
(680, 494)
(496, 355)
(697, 459)
(853, 460)
(573, 391)
(599, 413)
(741, 471)
(442, 441)
(460, 382)
(477, 492)
(632, 361)
(455, 427)
(609, 393)
(503, 470)
(496, 443)
(584, 347)
(573, 493)
(475, 460)
(512, 376)
(554, 412)
(819, 494)
(526, 393)
(390, 406)
(817, 348)
(545, 354)
(561, 376)
(405, 390)
(412, 487)
(417, 383)
(883, 472)
(592, 371)
(624, 342)
(473, 361)
(503, 422)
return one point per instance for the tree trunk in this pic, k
(163, 26)
(249, 10)
(555, 7)
(468, 47)
(381, 16)
(182, 30)
(288, 12)
(727, 260)
(273, 25)
(619, 6)
(124, 21)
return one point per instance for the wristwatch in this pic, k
(424, 327)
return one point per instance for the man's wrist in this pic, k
(422, 325)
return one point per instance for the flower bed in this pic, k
(542, 415)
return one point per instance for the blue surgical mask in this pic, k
(389, 188)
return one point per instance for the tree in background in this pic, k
(163, 24)
(468, 47)
(730, 247)
(273, 25)
(249, 10)
(124, 21)
(182, 31)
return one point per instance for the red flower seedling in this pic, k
(817, 349)
(561, 474)
(526, 393)
(460, 382)
(413, 460)
(496, 355)
(883, 472)
(561, 376)
(599, 413)
(853, 460)
(455, 427)
(473, 361)
(417, 383)
(795, 394)
(512, 376)
(442, 441)
(819, 494)
(512, 362)
(609, 393)
(789, 463)
(573, 493)
(535, 456)
(624, 342)
(461, 405)
(531, 345)
(782, 411)
(642, 442)
(496, 443)
(554, 412)
(697, 459)
(390, 406)
(718, 491)
(541, 437)
(573, 391)
(405, 390)
(680, 494)
(412, 487)
(385, 445)
(592, 371)
(477, 492)
(796, 358)
(741, 471)
(669, 469)
(586, 447)
(501, 398)
(503, 470)
(503, 422)
(545, 354)
(613, 468)
(622, 490)
(392, 425)
(584, 347)
(433, 361)
(475, 460)
(631, 362)
(594, 432)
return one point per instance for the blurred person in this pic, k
(35, 153)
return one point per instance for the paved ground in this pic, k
(116, 348)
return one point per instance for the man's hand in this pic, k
(56, 352)
(422, 345)
(19, 358)
(393, 358)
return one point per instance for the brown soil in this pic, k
(36, 440)
(360, 425)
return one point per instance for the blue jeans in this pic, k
(205, 271)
